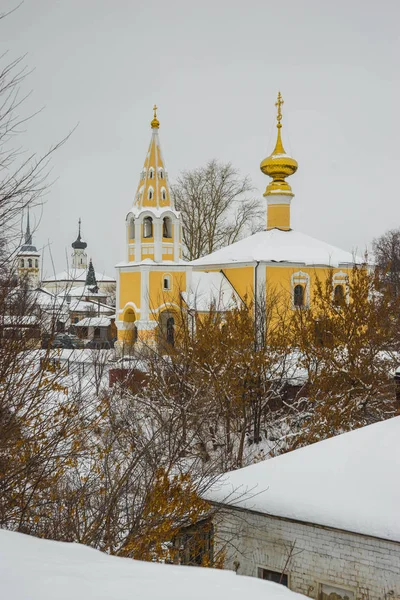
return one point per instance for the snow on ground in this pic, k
(35, 569)
(349, 482)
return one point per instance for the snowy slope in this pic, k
(350, 482)
(33, 569)
(279, 246)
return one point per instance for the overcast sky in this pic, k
(214, 69)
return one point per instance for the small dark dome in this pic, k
(78, 244)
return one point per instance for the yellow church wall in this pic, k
(279, 278)
(159, 296)
(242, 279)
(129, 289)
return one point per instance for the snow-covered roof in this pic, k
(78, 275)
(210, 289)
(279, 246)
(149, 261)
(85, 306)
(349, 482)
(93, 322)
(18, 320)
(38, 569)
(81, 291)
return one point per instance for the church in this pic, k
(153, 282)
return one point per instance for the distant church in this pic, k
(154, 281)
(28, 260)
(76, 274)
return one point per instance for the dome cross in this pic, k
(278, 104)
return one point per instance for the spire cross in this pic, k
(278, 104)
(155, 107)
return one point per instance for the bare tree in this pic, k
(387, 256)
(216, 207)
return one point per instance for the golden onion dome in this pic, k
(279, 165)
(155, 123)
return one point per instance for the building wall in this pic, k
(366, 568)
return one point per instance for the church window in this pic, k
(22, 262)
(96, 333)
(30, 262)
(274, 576)
(338, 295)
(171, 331)
(150, 193)
(167, 282)
(161, 174)
(36, 263)
(167, 328)
(132, 229)
(167, 227)
(164, 194)
(298, 295)
(151, 173)
(148, 227)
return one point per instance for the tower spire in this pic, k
(153, 189)
(28, 235)
(278, 166)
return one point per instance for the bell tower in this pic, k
(28, 259)
(79, 256)
(153, 228)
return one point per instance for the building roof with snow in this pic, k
(279, 246)
(78, 275)
(211, 290)
(94, 322)
(349, 482)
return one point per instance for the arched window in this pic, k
(151, 173)
(30, 262)
(148, 227)
(164, 194)
(96, 333)
(338, 295)
(171, 331)
(132, 229)
(167, 328)
(167, 227)
(298, 295)
(22, 262)
(150, 196)
(161, 172)
(36, 263)
(166, 282)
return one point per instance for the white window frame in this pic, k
(301, 278)
(168, 277)
(341, 278)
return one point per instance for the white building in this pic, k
(28, 260)
(76, 274)
(323, 520)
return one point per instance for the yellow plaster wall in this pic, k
(278, 215)
(279, 278)
(158, 296)
(242, 279)
(129, 288)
